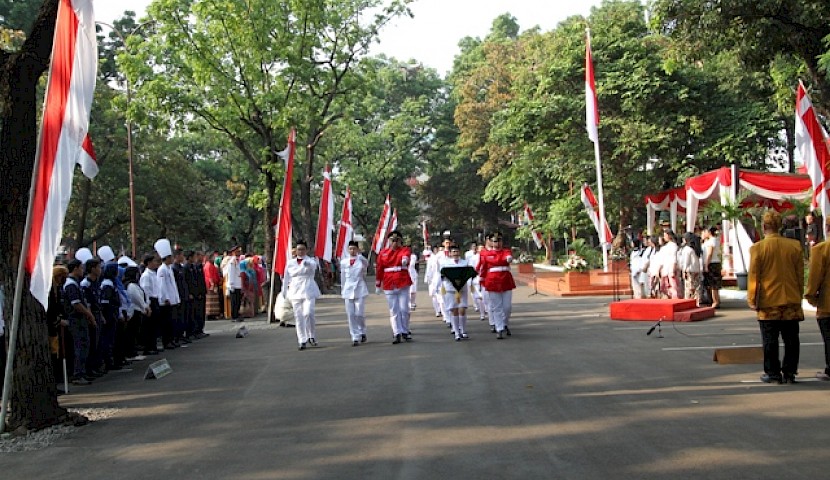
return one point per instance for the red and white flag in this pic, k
(592, 207)
(380, 233)
(425, 234)
(812, 143)
(537, 236)
(591, 107)
(63, 140)
(283, 242)
(393, 225)
(325, 220)
(345, 233)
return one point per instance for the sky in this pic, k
(432, 36)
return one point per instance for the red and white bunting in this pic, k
(380, 233)
(537, 236)
(345, 233)
(811, 140)
(63, 140)
(325, 220)
(592, 208)
(283, 243)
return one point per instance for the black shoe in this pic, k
(767, 378)
(507, 331)
(94, 374)
(457, 338)
(312, 341)
(398, 339)
(407, 336)
(301, 347)
(788, 378)
(363, 339)
(465, 336)
(500, 336)
(81, 381)
(185, 340)
(170, 346)
(493, 329)
(151, 352)
(355, 343)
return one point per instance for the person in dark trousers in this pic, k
(776, 286)
(818, 295)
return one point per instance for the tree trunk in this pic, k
(33, 396)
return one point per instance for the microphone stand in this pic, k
(658, 326)
(535, 290)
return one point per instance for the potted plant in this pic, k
(525, 261)
(733, 211)
(576, 271)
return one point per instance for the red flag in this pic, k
(425, 234)
(537, 236)
(380, 233)
(591, 107)
(592, 207)
(63, 140)
(325, 221)
(345, 234)
(812, 143)
(284, 221)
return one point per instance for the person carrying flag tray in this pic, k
(354, 291)
(494, 270)
(299, 287)
(455, 273)
(392, 274)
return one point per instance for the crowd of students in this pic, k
(104, 313)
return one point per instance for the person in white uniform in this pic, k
(300, 288)
(433, 282)
(354, 291)
(413, 274)
(455, 300)
(476, 290)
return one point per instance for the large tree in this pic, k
(33, 396)
(759, 30)
(251, 70)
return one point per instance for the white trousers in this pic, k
(413, 292)
(398, 302)
(355, 315)
(436, 303)
(500, 306)
(304, 319)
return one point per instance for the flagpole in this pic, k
(591, 124)
(602, 225)
(273, 272)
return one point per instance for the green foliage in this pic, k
(18, 14)
(591, 255)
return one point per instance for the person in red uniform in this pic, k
(392, 274)
(494, 270)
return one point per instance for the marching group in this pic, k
(483, 274)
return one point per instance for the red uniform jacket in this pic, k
(391, 270)
(494, 270)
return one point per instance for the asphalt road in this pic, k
(571, 394)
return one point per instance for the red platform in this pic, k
(650, 310)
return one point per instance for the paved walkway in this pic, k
(570, 395)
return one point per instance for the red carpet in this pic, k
(649, 309)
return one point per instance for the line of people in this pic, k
(660, 268)
(488, 281)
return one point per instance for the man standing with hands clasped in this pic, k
(392, 274)
(818, 295)
(776, 283)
